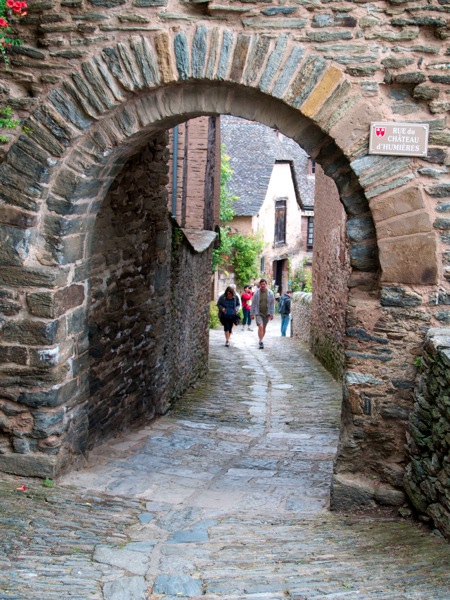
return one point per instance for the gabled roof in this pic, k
(254, 149)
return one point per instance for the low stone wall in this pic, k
(427, 478)
(327, 348)
(301, 316)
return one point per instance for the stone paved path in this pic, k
(225, 497)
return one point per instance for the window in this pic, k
(311, 167)
(262, 265)
(280, 221)
(310, 234)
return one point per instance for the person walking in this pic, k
(228, 305)
(246, 298)
(284, 308)
(263, 308)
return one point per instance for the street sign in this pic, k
(399, 139)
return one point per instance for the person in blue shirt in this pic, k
(284, 308)
(228, 305)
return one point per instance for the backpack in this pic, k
(281, 304)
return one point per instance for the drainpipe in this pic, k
(175, 171)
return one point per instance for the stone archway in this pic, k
(82, 135)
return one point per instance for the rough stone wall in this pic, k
(301, 316)
(143, 288)
(138, 337)
(384, 337)
(188, 329)
(427, 479)
(130, 287)
(399, 44)
(148, 313)
(331, 271)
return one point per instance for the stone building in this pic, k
(194, 189)
(93, 270)
(274, 187)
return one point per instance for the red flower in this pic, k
(17, 7)
(3, 23)
(22, 488)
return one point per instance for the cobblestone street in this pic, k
(224, 497)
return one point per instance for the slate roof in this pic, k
(253, 149)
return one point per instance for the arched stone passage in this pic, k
(82, 135)
(319, 96)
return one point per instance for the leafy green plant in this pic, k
(177, 238)
(301, 279)
(308, 282)
(222, 255)
(7, 122)
(226, 197)
(417, 362)
(245, 260)
(237, 252)
(213, 315)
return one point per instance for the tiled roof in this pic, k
(253, 149)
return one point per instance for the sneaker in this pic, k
(227, 344)
(249, 329)
(261, 345)
(243, 329)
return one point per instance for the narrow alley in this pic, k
(226, 497)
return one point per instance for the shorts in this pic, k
(260, 320)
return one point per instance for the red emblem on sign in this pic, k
(380, 131)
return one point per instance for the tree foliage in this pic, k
(245, 259)
(301, 279)
(222, 254)
(236, 252)
(227, 199)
